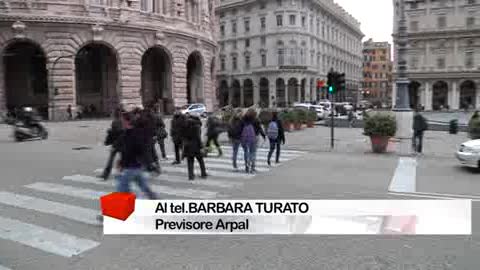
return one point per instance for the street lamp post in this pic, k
(403, 113)
(53, 90)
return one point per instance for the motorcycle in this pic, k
(36, 131)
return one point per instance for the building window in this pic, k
(442, 22)
(471, 2)
(247, 25)
(234, 63)
(413, 26)
(234, 27)
(470, 21)
(222, 47)
(263, 23)
(281, 56)
(303, 21)
(247, 61)
(263, 40)
(234, 44)
(279, 20)
(441, 63)
(413, 63)
(222, 30)
(279, 3)
(318, 27)
(264, 60)
(262, 5)
(222, 64)
(469, 60)
(292, 19)
(311, 24)
(247, 43)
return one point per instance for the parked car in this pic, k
(195, 109)
(321, 112)
(469, 154)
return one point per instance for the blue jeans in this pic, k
(249, 154)
(236, 145)
(126, 175)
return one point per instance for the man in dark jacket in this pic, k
(146, 122)
(132, 149)
(235, 134)
(161, 132)
(214, 129)
(176, 128)
(192, 146)
(276, 136)
(113, 135)
(419, 127)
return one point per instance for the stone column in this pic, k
(428, 96)
(394, 95)
(286, 93)
(61, 77)
(242, 94)
(452, 97)
(272, 92)
(477, 94)
(256, 91)
(423, 95)
(3, 94)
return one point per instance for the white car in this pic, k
(321, 112)
(469, 154)
(196, 109)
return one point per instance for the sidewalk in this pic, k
(347, 140)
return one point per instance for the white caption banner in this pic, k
(321, 217)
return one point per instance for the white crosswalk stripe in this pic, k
(159, 189)
(71, 212)
(44, 239)
(266, 150)
(4, 268)
(172, 182)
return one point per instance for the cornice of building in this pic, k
(105, 21)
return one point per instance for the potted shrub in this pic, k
(287, 120)
(380, 127)
(474, 128)
(311, 119)
(300, 117)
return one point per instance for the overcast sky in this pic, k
(375, 16)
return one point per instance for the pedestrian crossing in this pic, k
(74, 199)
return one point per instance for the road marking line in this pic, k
(262, 154)
(71, 212)
(44, 239)
(404, 179)
(172, 169)
(159, 189)
(434, 196)
(210, 165)
(82, 193)
(204, 182)
(224, 160)
(268, 149)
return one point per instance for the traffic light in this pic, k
(340, 82)
(331, 77)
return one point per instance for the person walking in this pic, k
(234, 134)
(176, 127)
(419, 127)
(213, 131)
(161, 132)
(276, 136)
(192, 146)
(133, 150)
(113, 134)
(251, 128)
(146, 122)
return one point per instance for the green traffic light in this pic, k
(330, 89)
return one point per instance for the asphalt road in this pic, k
(30, 167)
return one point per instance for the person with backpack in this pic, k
(161, 133)
(113, 135)
(276, 136)
(251, 128)
(235, 134)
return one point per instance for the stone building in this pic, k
(106, 53)
(443, 55)
(377, 72)
(273, 52)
